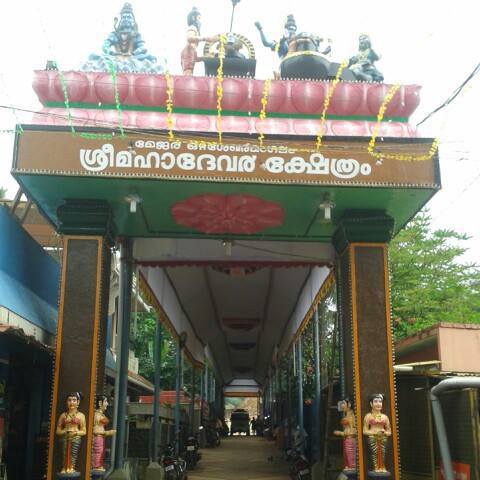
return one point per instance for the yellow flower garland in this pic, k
(264, 101)
(221, 56)
(169, 106)
(263, 112)
(395, 156)
(326, 103)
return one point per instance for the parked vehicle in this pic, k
(224, 431)
(300, 468)
(212, 435)
(174, 468)
(192, 454)
(240, 422)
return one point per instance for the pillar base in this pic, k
(380, 475)
(317, 471)
(154, 471)
(97, 474)
(120, 474)
(202, 438)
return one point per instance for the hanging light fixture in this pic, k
(327, 206)
(227, 244)
(133, 199)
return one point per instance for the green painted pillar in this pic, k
(300, 392)
(192, 402)
(318, 391)
(178, 381)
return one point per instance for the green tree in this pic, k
(3, 192)
(429, 281)
(142, 336)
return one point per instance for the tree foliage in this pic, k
(142, 338)
(430, 282)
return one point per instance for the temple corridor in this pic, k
(243, 458)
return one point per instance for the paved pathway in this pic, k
(242, 458)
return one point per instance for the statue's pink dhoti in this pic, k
(98, 452)
(188, 58)
(350, 452)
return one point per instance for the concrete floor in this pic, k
(241, 458)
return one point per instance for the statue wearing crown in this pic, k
(125, 49)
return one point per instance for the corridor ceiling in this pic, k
(238, 298)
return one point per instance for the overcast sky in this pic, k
(425, 42)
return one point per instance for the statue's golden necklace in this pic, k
(377, 416)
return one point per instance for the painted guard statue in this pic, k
(125, 49)
(349, 436)
(100, 432)
(376, 427)
(71, 428)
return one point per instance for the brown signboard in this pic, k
(338, 162)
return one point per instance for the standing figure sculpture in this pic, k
(291, 42)
(71, 428)
(362, 64)
(189, 53)
(376, 427)
(290, 32)
(349, 435)
(99, 433)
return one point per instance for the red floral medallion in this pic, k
(214, 213)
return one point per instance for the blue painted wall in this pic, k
(29, 277)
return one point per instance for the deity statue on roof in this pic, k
(303, 55)
(292, 42)
(125, 49)
(189, 53)
(362, 64)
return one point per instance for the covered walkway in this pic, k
(242, 458)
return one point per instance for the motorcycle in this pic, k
(213, 437)
(300, 468)
(192, 455)
(174, 468)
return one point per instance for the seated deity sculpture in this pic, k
(125, 49)
(362, 64)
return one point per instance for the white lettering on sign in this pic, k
(317, 164)
(234, 158)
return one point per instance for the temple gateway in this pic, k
(252, 216)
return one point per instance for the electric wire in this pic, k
(452, 97)
(276, 252)
(161, 133)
